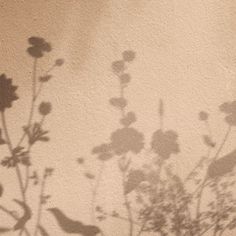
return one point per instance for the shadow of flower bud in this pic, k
(45, 108)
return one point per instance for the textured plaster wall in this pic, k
(185, 55)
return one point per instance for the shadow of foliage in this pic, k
(21, 155)
(156, 199)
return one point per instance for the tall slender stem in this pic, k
(40, 205)
(34, 87)
(37, 93)
(225, 227)
(199, 199)
(33, 99)
(127, 205)
(217, 210)
(27, 167)
(10, 147)
(95, 191)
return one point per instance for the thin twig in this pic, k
(95, 191)
(41, 84)
(152, 206)
(28, 167)
(127, 205)
(123, 218)
(202, 186)
(40, 205)
(206, 230)
(223, 230)
(215, 157)
(208, 152)
(197, 165)
(217, 210)
(33, 99)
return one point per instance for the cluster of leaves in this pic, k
(19, 155)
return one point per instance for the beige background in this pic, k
(185, 55)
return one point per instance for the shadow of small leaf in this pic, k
(118, 66)
(208, 141)
(4, 230)
(43, 231)
(1, 190)
(105, 156)
(73, 227)
(128, 119)
(103, 151)
(59, 62)
(118, 102)
(135, 177)
(203, 116)
(89, 175)
(35, 133)
(45, 78)
(222, 166)
(2, 141)
(26, 215)
(125, 78)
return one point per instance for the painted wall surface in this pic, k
(119, 119)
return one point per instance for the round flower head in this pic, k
(125, 140)
(7, 92)
(39, 46)
(165, 143)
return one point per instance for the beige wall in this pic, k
(185, 55)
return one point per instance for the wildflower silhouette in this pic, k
(39, 47)
(126, 140)
(20, 155)
(156, 199)
(165, 143)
